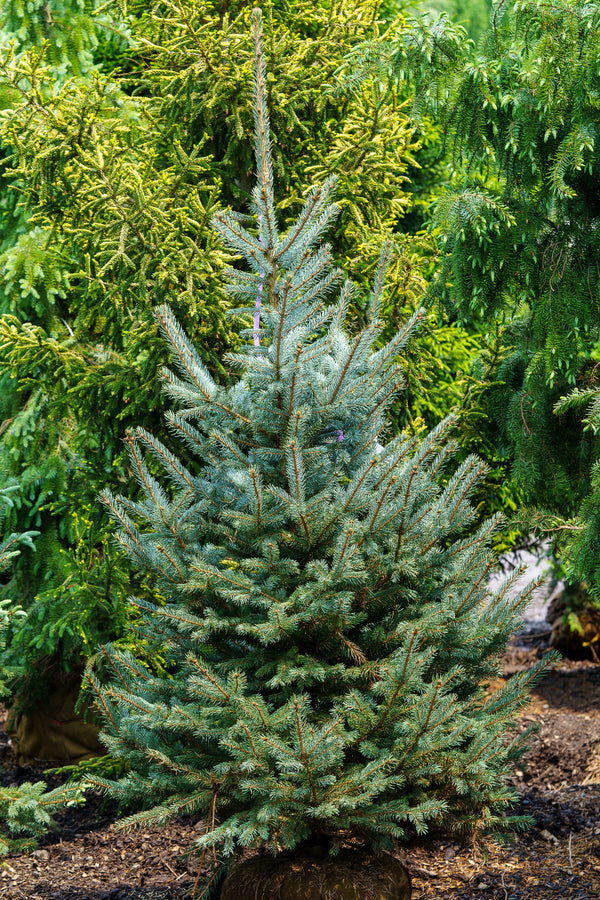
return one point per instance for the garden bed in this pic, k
(557, 859)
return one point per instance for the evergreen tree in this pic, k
(39, 451)
(520, 238)
(329, 632)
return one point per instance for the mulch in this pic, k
(558, 858)
(558, 782)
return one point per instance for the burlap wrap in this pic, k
(54, 733)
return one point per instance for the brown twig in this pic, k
(571, 851)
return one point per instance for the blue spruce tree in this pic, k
(329, 632)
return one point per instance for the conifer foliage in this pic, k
(520, 241)
(520, 229)
(24, 808)
(327, 624)
(10, 545)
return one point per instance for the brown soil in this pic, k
(557, 859)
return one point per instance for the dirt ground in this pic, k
(557, 859)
